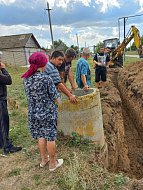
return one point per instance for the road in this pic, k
(136, 56)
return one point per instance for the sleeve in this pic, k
(54, 74)
(5, 77)
(56, 77)
(108, 58)
(52, 90)
(83, 69)
(95, 58)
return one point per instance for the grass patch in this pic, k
(81, 175)
(120, 179)
(79, 171)
(37, 179)
(130, 60)
(132, 53)
(14, 172)
(25, 188)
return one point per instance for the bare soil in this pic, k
(122, 105)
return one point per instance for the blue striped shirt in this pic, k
(53, 72)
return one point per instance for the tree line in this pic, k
(62, 46)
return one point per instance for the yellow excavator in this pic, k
(117, 50)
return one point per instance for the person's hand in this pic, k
(2, 65)
(73, 99)
(94, 66)
(86, 88)
(98, 63)
(73, 88)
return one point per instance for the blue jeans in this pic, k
(4, 126)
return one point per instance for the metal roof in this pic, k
(16, 41)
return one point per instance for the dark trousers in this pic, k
(4, 126)
(100, 74)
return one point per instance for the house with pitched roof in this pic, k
(16, 49)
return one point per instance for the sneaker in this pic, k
(13, 149)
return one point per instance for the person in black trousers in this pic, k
(5, 144)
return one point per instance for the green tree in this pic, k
(60, 45)
(97, 47)
(74, 47)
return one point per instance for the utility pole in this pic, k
(48, 9)
(125, 18)
(124, 37)
(0, 57)
(77, 43)
(119, 28)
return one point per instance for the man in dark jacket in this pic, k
(5, 144)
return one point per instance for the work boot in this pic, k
(13, 149)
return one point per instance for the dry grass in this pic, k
(21, 171)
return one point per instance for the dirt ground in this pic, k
(122, 104)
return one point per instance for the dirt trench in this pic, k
(122, 106)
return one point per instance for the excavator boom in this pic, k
(117, 52)
(133, 33)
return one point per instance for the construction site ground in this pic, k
(122, 107)
(122, 104)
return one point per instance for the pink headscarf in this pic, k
(36, 61)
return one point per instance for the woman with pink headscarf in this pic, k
(42, 111)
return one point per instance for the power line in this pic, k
(125, 18)
(130, 16)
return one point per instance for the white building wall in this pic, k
(14, 56)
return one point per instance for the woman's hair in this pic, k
(56, 54)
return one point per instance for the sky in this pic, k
(89, 20)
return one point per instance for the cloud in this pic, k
(7, 2)
(105, 5)
(141, 5)
(66, 3)
(92, 20)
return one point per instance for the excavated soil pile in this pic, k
(122, 105)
